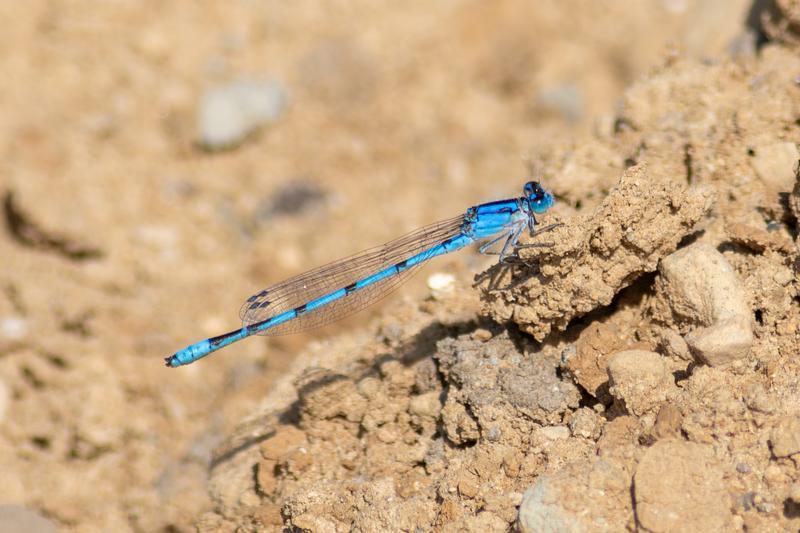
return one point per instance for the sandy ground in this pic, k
(640, 373)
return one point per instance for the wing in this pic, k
(324, 280)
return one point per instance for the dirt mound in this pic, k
(662, 394)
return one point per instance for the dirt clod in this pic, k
(679, 486)
(703, 289)
(587, 360)
(578, 498)
(785, 437)
(641, 220)
(640, 380)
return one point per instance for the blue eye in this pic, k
(540, 200)
(529, 187)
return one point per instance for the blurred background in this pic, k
(163, 161)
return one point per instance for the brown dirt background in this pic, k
(400, 114)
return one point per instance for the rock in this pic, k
(668, 422)
(540, 510)
(587, 361)
(723, 343)
(702, 287)
(442, 285)
(592, 496)
(459, 426)
(640, 380)
(585, 423)
(678, 486)
(230, 113)
(428, 404)
(555, 432)
(785, 437)
(618, 434)
(294, 198)
(13, 328)
(673, 345)
(775, 163)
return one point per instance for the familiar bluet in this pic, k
(343, 287)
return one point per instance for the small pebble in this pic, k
(541, 509)
(668, 422)
(568, 353)
(481, 334)
(765, 507)
(441, 285)
(674, 345)
(640, 380)
(293, 199)
(783, 277)
(494, 433)
(229, 113)
(13, 328)
(747, 500)
(585, 424)
(555, 432)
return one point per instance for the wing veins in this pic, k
(323, 280)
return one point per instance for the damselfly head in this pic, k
(539, 199)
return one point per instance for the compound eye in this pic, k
(529, 188)
(539, 199)
(533, 190)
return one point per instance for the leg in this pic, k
(541, 244)
(550, 227)
(511, 237)
(511, 243)
(487, 245)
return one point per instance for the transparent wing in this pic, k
(316, 283)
